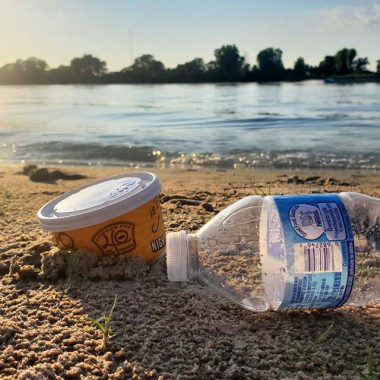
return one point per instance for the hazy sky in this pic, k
(178, 30)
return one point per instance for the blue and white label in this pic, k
(317, 250)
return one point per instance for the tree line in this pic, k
(228, 65)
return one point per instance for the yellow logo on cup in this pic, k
(116, 238)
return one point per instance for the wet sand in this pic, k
(165, 330)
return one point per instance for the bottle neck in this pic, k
(192, 257)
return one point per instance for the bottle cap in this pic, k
(176, 255)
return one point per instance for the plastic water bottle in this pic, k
(286, 252)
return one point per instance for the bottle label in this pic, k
(318, 252)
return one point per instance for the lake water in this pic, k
(308, 124)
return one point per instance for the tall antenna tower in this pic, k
(131, 44)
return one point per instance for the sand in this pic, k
(165, 330)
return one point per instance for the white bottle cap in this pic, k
(176, 255)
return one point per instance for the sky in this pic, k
(177, 31)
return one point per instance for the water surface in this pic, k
(307, 124)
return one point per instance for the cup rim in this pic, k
(52, 221)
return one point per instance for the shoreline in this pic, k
(149, 166)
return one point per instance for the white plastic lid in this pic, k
(176, 255)
(99, 201)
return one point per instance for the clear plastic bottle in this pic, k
(286, 252)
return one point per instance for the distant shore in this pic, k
(229, 66)
(343, 79)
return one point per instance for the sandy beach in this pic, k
(164, 330)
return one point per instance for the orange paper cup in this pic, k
(117, 215)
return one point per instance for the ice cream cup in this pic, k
(117, 215)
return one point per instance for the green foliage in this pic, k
(105, 327)
(327, 66)
(325, 334)
(29, 71)
(88, 66)
(71, 267)
(361, 64)
(300, 69)
(62, 74)
(369, 372)
(344, 61)
(145, 69)
(270, 64)
(317, 341)
(193, 71)
(228, 66)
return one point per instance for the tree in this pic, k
(88, 66)
(193, 71)
(29, 71)
(34, 70)
(63, 74)
(270, 64)
(253, 75)
(327, 66)
(378, 67)
(300, 69)
(229, 64)
(360, 64)
(145, 69)
(344, 61)
(33, 65)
